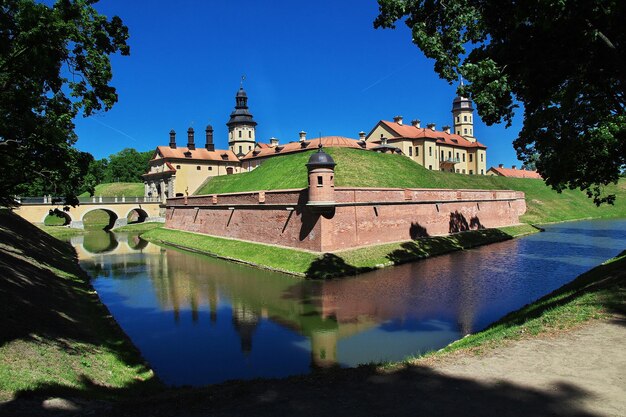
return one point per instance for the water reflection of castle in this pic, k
(326, 312)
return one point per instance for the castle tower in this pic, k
(241, 126)
(321, 167)
(463, 117)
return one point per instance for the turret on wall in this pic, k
(321, 168)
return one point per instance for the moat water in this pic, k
(199, 320)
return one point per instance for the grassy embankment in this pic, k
(57, 338)
(368, 169)
(118, 189)
(356, 168)
(349, 262)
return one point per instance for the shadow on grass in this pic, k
(408, 391)
(330, 265)
(47, 305)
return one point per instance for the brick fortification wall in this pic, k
(361, 217)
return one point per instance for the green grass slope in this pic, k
(118, 189)
(358, 168)
(56, 337)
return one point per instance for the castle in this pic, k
(176, 171)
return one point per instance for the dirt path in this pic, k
(580, 373)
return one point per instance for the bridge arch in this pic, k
(59, 213)
(136, 215)
(113, 216)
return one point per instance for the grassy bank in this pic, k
(57, 338)
(596, 294)
(349, 262)
(355, 168)
(118, 189)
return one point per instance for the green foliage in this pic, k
(563, 60)
(54, 64)
(358, 168)
(127, 165)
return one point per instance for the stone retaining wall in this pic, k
(361, 217)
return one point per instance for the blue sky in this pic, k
(317, 66)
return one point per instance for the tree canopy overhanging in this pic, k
(564, 61)
(54, 65)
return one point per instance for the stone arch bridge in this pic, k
(119, 209)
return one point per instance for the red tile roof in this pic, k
(515, 173)
(200, 154)
(291, 147)
(411, 132)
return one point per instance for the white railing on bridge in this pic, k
(85, 200)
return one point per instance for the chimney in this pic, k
(431, 126)
(415, 123)
(302, 136)
(446, 129)
(209, 138)
(273, 141)
(190, 144)
(500, 165)
(513, 166)
(362, 135)
(172, 139)
(398, 119)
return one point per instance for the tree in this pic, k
(54, 64)
(564, 61)
(127, 166)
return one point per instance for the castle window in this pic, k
(410, 151)
(482, 172)
(332, 181)
(465, 118)
(320, 181)
(177, 166)
(240, 133)
(471, 133)
(210, 168)
(457, 156)
(198, 168)
(458, 132)
(464, 159)
(464, 171)
(457, 170)
(471, 171)
(470, 119)
(249, 148)
(481, 158)
(430, 167)
(465, 131)
(417, 151)
(250, 134)
(240, 147)
(471, 156)
(442, 155)
(458, 119)
(449, 154)
(430, 151)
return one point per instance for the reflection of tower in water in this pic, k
(245, 322)
(324, 348)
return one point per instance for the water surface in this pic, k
(200, 320)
